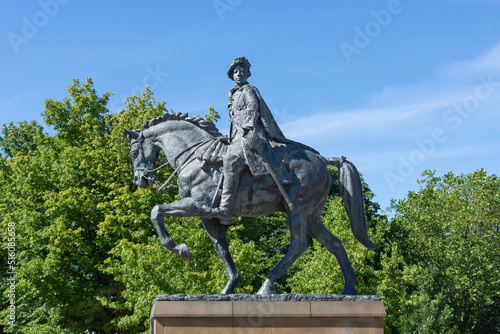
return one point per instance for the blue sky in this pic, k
(395, 86)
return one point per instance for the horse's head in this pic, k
(144, 155)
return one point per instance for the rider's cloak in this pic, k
(248, 111)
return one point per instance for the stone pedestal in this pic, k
(290, 313)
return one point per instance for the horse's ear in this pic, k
(132, 134)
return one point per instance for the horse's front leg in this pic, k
(184, 208)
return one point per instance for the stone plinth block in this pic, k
(288, 313)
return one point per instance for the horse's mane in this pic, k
(198, 121)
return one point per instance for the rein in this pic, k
(181, 166)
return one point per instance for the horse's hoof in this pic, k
(184, 252)
(227, 291)
(231, 284)
(349, 291)
(267, 288)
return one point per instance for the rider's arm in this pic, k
(251, 112)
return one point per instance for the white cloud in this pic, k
(468, 151)
(411, 111)
(13, 100)
(487, 62)
(464, 69)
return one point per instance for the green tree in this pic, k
(56, 189)
(20, 139)
(88, 257)
(441, 272)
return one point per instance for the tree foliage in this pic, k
(57, 190)
(441, 272)
(88, 258)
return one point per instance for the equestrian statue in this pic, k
(254, 172)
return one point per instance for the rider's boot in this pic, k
(229, 188)
(223, 212)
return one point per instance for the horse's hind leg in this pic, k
(217, 233)
(317, 230)
(298, 245)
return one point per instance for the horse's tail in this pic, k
(352, 194)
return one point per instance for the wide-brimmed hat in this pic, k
(238, 61)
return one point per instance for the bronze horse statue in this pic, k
(192, 145)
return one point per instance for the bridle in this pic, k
(145, 171)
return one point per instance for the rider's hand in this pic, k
(254, 141)
(223, 139)
(246, 131)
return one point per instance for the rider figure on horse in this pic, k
(253, 135)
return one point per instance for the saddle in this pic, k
(277, 154)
